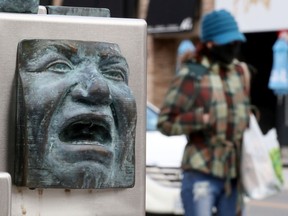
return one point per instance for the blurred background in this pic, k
(169, 23)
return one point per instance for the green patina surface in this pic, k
(78, 11)
(19, 6)
(76, 116)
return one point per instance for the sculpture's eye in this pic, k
(59, 67)
(117, 75)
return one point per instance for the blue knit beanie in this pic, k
(221, 28)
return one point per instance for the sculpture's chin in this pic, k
(87, 176)
(79, 175)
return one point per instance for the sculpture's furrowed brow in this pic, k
(112, 64)
(66, 50)
(61, 49)
(111, 59)
(46, 54)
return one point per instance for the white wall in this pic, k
(257, 15)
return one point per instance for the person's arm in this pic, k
(179, 115)
(57, 2)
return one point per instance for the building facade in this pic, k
(162, 52)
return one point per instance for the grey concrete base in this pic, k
(5, 194)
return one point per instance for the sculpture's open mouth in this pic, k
(87, 130)
(87, 137)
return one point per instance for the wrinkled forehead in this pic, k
(30, 49)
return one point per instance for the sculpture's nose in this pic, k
(93, 90)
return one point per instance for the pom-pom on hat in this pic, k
(220, 27)
(185, 46)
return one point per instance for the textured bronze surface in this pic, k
(19, 6)
(76, 116)
(78, 11)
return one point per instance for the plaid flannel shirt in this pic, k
(212, 148)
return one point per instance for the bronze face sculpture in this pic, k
(76, 115)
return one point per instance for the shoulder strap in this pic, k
(197, 70)
(246, 76)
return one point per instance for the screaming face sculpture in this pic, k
(76, 115)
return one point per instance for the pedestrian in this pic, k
(208, 101)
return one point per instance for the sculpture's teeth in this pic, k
(86, 132)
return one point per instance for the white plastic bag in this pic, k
(258, 176)
(273, 146)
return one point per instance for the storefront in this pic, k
(164, 16)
